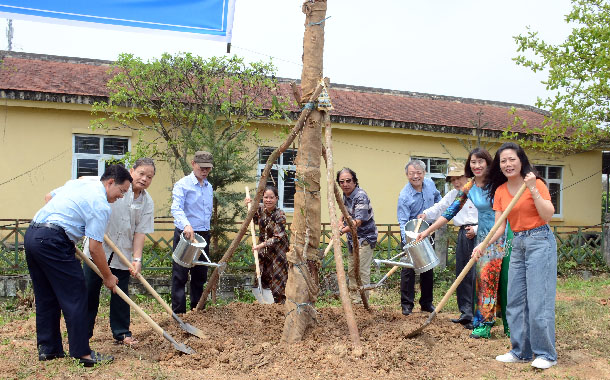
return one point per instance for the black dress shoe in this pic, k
(462, 319)
(428, 308)
(96, 358)
(406, 310)
(44, 357)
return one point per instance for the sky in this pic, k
(458, 48)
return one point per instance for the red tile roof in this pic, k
(22, 72)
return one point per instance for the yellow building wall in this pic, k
(378, 155)
(36, 157)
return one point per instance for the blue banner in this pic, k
(211, 19)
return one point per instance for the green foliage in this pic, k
(579, 74)
(183, 103)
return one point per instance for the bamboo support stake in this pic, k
(213, 280)
(343, 291)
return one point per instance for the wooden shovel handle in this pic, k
(122, 294)
(328, 248)
(419, 220)
(139, 276)
(253, 233)
(484, 244)
(391, 271)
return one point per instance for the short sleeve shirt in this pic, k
(80, 207)
(524, 215)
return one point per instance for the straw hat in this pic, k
(455, 169)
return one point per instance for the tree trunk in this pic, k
(306, 225)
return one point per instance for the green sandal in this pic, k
(482, 331)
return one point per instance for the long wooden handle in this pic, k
(419, 220)
(121, 294)
(253, 233)
(328, 248)
(484, 244)
(391, 271)
(139, 276)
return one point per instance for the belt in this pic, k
(47, 225)
(468, 225)
(533, 230)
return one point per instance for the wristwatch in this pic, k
(137, 259)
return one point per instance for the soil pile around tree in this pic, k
(242, 342)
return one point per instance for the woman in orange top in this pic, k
(532, 275)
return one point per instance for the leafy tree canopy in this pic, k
(579, 71)
(181, 104)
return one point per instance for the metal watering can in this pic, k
(186, 252)
(421, 256)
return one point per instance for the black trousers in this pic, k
(59, 286)
(180, 275)
(119, 309)
(407, 288)
(465, 291)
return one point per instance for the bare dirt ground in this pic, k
(243, 342)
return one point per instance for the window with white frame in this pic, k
(436, 170)
(553, 175)
(91, 152)
(282, 175)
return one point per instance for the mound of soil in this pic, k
(242, 341)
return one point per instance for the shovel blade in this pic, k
(178, 346)
(188, 327)
(263, 296)
(421, 328)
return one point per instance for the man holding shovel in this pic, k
(131, 219)
(418, 194)
(79, 208)
(467, 220)
(192, 199)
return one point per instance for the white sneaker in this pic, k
(543, 363)
(510, 358)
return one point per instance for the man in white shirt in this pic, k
(467, 220)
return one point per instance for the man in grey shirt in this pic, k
(131, 219)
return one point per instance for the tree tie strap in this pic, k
(300, 306)
(319, 22)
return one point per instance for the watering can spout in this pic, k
(403, 264)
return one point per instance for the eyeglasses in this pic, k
(345, 181)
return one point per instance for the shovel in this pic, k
(469, 265)
(263, 296)
(178, 346)
(185, 326)
(394, 268)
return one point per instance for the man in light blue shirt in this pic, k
(192, 201)
(418, 194)
(79, 208)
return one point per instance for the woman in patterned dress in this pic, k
(489, 266)
(273, 244)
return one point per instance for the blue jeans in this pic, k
(532, 283)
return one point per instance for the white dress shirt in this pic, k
(467, 215)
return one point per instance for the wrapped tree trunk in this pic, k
(301, 287)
